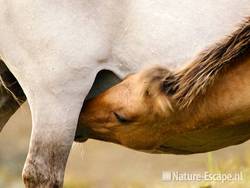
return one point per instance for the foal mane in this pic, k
(193, 80)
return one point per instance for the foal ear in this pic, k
(170, 84)
(160, 80)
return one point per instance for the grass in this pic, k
(98, 164)
(214, 165)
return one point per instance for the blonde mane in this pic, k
(193, 80)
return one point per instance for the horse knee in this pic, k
(36, 175)
(34, 181)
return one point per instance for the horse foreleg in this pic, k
(54, 120)
(11, 95)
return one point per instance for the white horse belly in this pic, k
(55, 41)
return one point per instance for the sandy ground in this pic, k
(103, 165)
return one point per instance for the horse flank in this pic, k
(193, 80)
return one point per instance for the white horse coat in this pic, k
(56, 48)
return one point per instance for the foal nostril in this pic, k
(81, 134)
(80, 138)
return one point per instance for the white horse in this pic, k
(56, 48)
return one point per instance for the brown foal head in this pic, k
(130, 113)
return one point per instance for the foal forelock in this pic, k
(193, 80)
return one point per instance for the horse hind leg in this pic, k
(11, 95)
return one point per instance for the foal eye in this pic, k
(121, 118)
